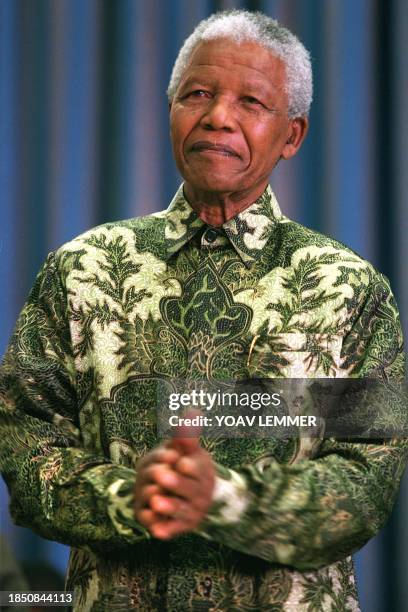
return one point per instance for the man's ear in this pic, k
(297, 130)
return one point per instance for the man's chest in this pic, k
(204, 315)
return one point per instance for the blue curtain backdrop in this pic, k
(84, 139)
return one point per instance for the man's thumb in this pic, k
(186, 437)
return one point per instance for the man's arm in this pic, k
(57, 488)
(317, 511)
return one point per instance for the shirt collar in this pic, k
(248, 232)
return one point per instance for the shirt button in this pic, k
(211, 235)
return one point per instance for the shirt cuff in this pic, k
(115, 484)
(231, 498)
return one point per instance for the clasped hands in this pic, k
(174, 485)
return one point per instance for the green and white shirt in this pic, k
(128, 304)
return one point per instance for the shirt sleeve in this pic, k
(317, 511)
(57, 487)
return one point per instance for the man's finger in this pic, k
(149, 474)
(171, 506)
(193, 466)
(174, 483)
(187, 437)
(147, 517)
(143, 495)
(163, 454)
(165, 530)
(185, 520)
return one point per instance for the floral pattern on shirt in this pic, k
(132, 303)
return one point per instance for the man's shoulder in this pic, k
(299, 239)
(307, 251)
(114, 229)
(122, 238)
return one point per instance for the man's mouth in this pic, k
(217, 148)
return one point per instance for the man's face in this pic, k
(228, 119)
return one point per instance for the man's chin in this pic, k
(214, 185)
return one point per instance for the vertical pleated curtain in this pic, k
(84, 140)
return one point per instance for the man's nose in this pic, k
(219, 115)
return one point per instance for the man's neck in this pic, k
(218, 208)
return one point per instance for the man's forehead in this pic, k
(257, 61)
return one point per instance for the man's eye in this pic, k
(198, 93)
(252, 100)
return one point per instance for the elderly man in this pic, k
(219, 286)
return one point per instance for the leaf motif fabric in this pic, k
(133, 303)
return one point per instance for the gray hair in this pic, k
(256, 27)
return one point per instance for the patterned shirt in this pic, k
(128, 304)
